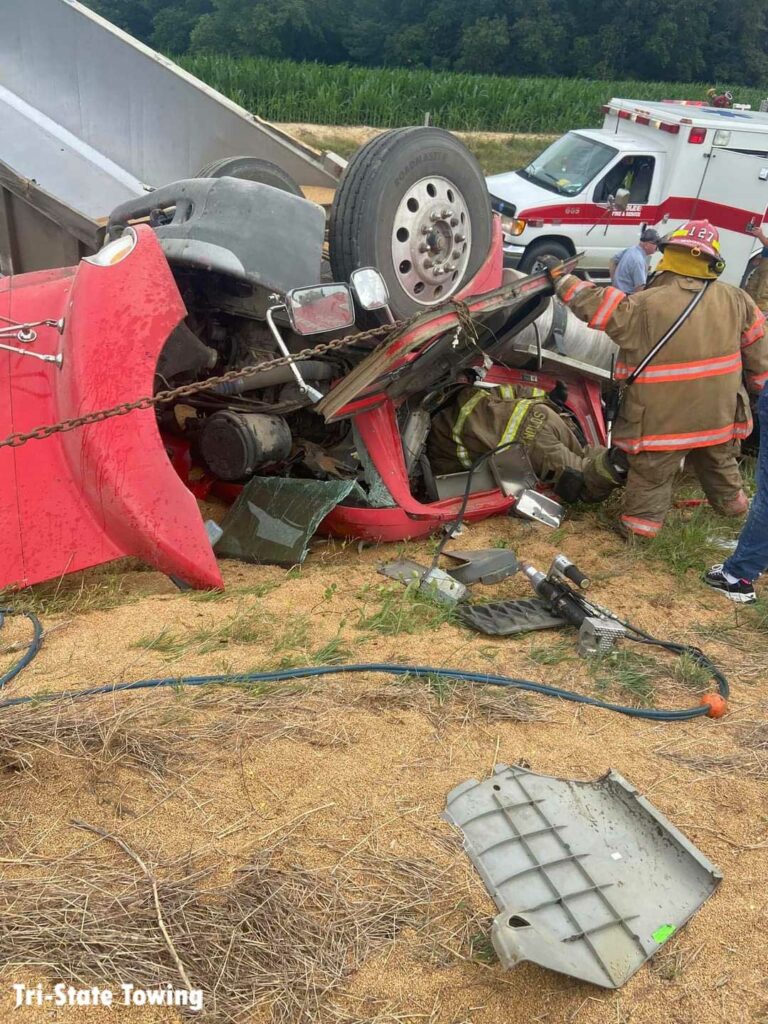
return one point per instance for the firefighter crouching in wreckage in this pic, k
(691, 400)
(481, 419)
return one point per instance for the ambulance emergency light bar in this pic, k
(696, 136)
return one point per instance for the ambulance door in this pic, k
(734, 194)
(616, 229)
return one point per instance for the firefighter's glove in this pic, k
(555, 267)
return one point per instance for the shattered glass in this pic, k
(274, 519)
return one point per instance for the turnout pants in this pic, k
(651, 478)
(557, 458)
(482, 420)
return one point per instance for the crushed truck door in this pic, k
(734, 193)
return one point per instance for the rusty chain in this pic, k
(162, 397)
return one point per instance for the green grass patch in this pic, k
(691, 540)
(634, 674)
(245, 626)
(400, 610)
(552, 654)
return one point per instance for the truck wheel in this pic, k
(249, 168)
(531, 261)
(412, 202)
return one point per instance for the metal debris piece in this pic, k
(589, 878)
(513, 471)
(487, 566)
(434, 583)
(533, 505)
(504, 618)
(454, 485)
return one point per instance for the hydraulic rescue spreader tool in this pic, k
(599, 629)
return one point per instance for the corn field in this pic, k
(386, 98)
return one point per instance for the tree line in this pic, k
(662, 40)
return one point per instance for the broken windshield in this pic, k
(568, 165)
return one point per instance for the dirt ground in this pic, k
(496, 151)
(350, 774)
(357, 135)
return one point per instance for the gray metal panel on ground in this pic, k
(589, 877)
(486, 566)
(505, 618)
(129, 103)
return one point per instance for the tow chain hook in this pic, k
(26, 334)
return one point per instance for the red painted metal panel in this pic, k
(100, 492)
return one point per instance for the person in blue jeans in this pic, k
(736, 576)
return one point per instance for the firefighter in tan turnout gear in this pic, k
(690, 400)
(481, 419)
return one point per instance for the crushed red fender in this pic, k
(105, 491)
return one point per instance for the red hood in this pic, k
(108, 490)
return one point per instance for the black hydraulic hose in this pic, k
(451, 528)
(34, 644)
(416, 671)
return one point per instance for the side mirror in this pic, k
(370, 288)
(620, 201)
(320, 308)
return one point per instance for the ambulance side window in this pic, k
(634, 173)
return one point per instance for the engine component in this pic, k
(310, 369)
(234, 445)
(184, 353)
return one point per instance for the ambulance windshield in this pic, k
(569, 164)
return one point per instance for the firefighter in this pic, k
(481, 419)
(757, 285)
(691, 400)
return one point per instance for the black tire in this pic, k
(249, 168)
(752, 266)
(363, 231)
(535, 251)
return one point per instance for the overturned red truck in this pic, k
(227, 269)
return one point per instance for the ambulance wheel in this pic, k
(249, 168)
(413, 203)
(531, 261)
(752, 266)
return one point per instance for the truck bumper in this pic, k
(512, 253)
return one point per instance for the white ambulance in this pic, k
(650, 165)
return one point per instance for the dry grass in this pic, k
(446, 703)
(749, 765)
(749, 760)
(155, 735)
(279, 938)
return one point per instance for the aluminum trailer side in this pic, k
(89, 118)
